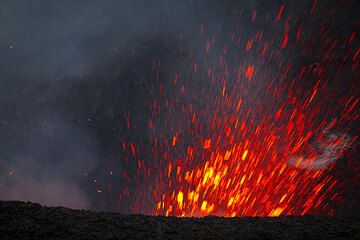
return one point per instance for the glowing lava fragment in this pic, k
(180, 198)
(243, 157)
(276, 212)
(203, 205)
(249, 72)
(207, 144)
(227, 155)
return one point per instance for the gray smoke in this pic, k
(331, 148)
(67, 70)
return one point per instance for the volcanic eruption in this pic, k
(182, 108)
(248, 128)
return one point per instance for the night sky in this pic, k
(138, 106)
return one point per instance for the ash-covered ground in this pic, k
(20, 220)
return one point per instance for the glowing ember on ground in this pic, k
(248, 131)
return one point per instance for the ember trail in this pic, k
(248, 128)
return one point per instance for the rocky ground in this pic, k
(19, 220)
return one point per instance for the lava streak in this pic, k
(251, 130)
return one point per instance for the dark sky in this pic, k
(71, 70)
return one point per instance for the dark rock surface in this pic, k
(19, 220)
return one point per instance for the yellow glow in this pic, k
(276, 212)
(203, 205)
(230, 201)
(244, 155)
(180, 198)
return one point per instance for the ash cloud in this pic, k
(47, 192)
(51, 164)
(331, 149)
(69, 72)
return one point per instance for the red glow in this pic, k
(263, 147)
(249, 71)
(280, 12)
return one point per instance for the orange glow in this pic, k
(245, 132)
(174, 140)
(207, 144)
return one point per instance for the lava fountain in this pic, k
(248, 128)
